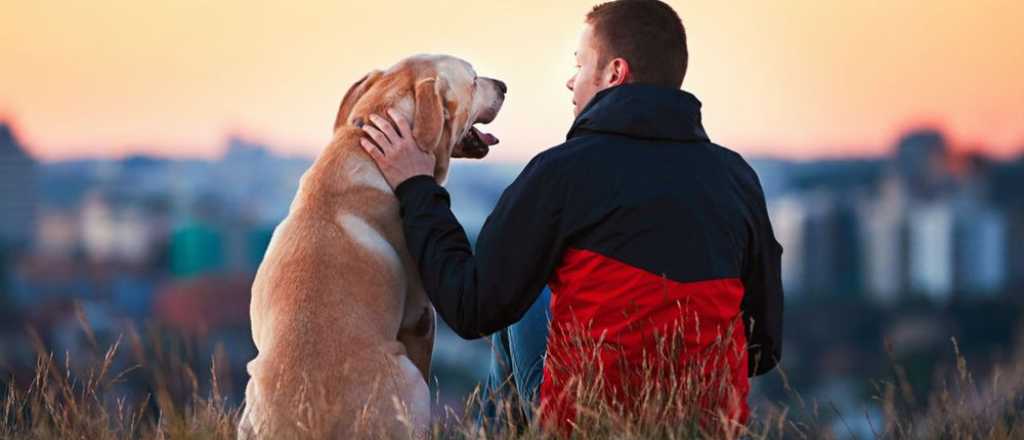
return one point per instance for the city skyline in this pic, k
(796, 79)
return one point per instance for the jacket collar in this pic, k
(642, 111)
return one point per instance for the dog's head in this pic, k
(440, 95)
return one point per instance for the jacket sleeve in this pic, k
(763, 300)
(516, 251)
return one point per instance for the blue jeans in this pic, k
(517, 366)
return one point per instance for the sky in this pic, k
(788, 78)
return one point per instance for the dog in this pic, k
(342, 325)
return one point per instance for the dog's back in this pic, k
(327, 306)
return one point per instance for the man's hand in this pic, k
(396, 153)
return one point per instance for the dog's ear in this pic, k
(352, 96)
(428, 122)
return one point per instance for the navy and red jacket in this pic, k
(639, 224)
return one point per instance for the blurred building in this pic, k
(930, 228)
(980, 238)
(883, 232)
(922, 164)
(57, 233)
(789, 217)
(196, 248)
(1015, 253)
(113, 231)
(210, 307)
(18, 198)
(829, 246)
(924, 221)
(257, 242)
(254, 184)
(922, 161)
(198, 305)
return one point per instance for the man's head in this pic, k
(628, 41)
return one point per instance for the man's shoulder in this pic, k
(558, 156)
(732, 160)
(739, 167)
(569, 149)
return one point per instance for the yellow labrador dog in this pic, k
(342, 324)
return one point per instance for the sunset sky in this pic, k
(793, 78)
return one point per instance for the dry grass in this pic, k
(84, 402)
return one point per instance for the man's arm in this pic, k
(763, 299)
(517, 249)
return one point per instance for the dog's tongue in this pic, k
(487, 138)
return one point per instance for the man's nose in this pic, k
(568, 84)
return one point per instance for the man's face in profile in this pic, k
(589, 77)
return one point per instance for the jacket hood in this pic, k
(642, 111)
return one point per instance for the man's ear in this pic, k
(428, 122)
(619, 72)
(352, 96)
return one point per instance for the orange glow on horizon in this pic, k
(793, 78)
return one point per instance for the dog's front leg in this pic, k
(418, 334)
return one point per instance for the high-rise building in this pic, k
(931, 250)
(980, 240)
(831, 251)
(113, 232)
(17, 191)
(883, 226)
(789, 221)
(1015, 253)
(922, 160)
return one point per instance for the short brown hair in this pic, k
(648, 34)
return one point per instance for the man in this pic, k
(638, 223)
